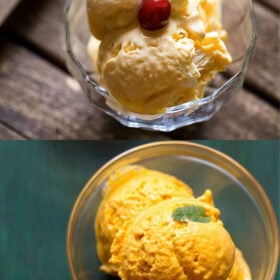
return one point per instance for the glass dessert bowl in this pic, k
(237, 20)
(245, 209)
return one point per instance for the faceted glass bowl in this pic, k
(238, 21)
(245, 209)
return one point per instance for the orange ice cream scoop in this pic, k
(127, 193)
(176, 239)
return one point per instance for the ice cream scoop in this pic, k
(127, 193)
(148, 71)
(108, 15)
(150, 226)
(158, 245)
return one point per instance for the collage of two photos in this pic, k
(139, 139)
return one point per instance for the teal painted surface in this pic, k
(40, 181)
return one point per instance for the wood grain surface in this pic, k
(6, 7)
(40, 100)
(273, 4)
(264, 68)
(7, 133)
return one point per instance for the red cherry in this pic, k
(154, 14)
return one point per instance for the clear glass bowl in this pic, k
(246, 211)
(237, 20)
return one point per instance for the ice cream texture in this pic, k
(150, 226)
(148, 71)
(126, 194)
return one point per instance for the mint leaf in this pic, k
(190, 213)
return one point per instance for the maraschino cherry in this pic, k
(154, 14)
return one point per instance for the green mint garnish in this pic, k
(190, 213)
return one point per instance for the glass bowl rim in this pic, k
(269, 211)
(173, 109)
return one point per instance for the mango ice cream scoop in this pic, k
(150, 226)
(127, 193)
(157, 245)
(148, 66)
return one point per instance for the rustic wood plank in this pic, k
(6, 7)
(43, 102)
(274, 4)
(245, 116)
(264, 68)
(8, 134)
(41, 23)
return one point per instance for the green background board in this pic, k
(40, 181)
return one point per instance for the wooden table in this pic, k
(40, 100)
(35, 205)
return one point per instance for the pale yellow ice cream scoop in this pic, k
(107, 15)
(127, 193)
(148, 71)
